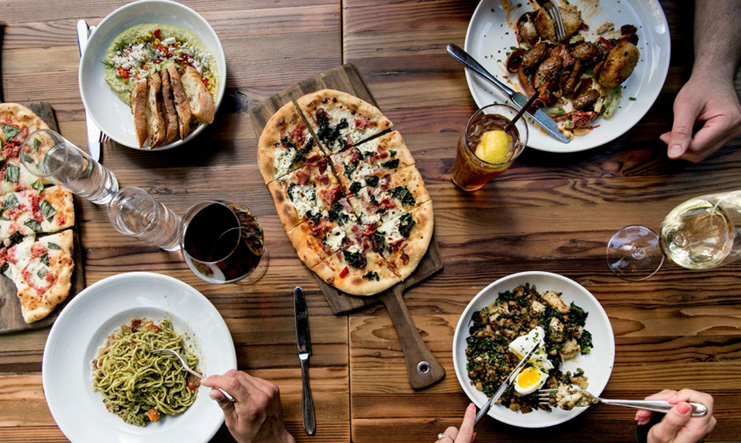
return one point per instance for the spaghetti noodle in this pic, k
(140, 386)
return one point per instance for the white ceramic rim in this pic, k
(632, 111)
(605, 346)
(217, 52)
(98, 310)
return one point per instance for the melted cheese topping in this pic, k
(304, 199)
(334, 238)
(391, 229)
(282, 161)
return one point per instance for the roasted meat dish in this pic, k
(576, 80)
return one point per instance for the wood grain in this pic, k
(549, 212)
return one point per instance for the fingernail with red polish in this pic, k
(683, 408)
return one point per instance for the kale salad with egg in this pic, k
(503, 332)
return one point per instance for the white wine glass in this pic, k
(701, 233)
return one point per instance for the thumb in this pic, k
(685, 114)
(672, 423)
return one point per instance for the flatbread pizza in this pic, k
(40, 265)
(353, 204)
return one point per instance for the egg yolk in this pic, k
(528, 377)
(494, 147)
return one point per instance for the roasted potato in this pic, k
(562, 51)
(619, 64)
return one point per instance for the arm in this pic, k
(710, 95)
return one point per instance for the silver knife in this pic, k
(93, 131)
(517, 98)
(304, 351)
(505, 384)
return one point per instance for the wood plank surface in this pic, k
(549, 212)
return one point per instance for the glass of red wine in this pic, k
(223, 242)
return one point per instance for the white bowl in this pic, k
(597, 364)
(81, 329)
(108, 111)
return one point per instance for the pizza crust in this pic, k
(353, 283)
(310, 249)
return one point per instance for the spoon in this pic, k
(187, 368)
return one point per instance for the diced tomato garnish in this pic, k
(157, 34)
(344, 272)
(153, 415)
(124, 73)
(191, 385)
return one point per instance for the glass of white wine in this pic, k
(702, 233)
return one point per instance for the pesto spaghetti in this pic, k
(140, 386)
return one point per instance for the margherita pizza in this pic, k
(40, 265)
(353, 204)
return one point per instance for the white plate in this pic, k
(81, 330)
(597, 364)
(108, 111)
(489, 39)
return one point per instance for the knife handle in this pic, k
(307, 402)
(469, 62)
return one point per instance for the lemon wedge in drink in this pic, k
(494, 147)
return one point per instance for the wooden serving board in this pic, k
(11, 319)
(423, 368)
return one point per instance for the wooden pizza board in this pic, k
(423, 368)
(11, 319)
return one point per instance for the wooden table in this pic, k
(549, 212)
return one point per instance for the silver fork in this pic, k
(104, 137)
(187, 368)
(554, 13)
(649, 405)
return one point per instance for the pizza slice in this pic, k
(285, 145)
(389, 197)
(357, 270)
(29, 212)
(16, 122)
(341, 120)
(42, 272)
(372, 160)
(403, 240)
(325, 233)
(305, 193)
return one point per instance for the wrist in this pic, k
(714, 70)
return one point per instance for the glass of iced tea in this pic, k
(223, 242)
(484, 149)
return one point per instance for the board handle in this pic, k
(423, 368)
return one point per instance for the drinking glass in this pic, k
(471, 172)
(134, 212)
(222, 242)
(701, 233)
(51, 157)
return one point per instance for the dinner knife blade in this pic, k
(505, 384)
(517, 98)
(303, 339)
(93, 132)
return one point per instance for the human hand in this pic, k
(256, 414)
(707, 98)
(678, 425)
(465, 435)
